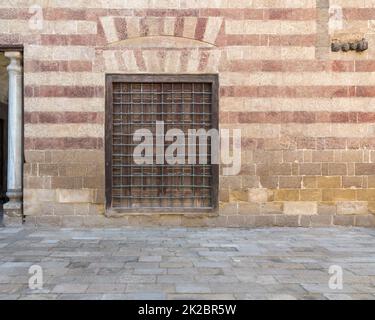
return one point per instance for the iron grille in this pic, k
(179, 104)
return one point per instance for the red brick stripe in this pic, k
(200, 28)
(63, 143)
(166, 12)
(298, 117)
(87, 14)
(92, 14)
(365, 91)
(64, 91)
(310, 143)
(365, 66)
(288, 66)
(143, 28)
(63, 117)
(65, 14)
(64, 66)
(262, 14)
(12, 13)
(141, 64)
(121, 28)
(290, 14)
(359, 13)
(225, 117)
(228, 91)
(232, 13)
(240, 40)
(68, 40)
(179, 27)
(296, 91)
(11, 39)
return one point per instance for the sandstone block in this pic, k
(366, 194)
(327, 208)
(352, 207)
(287, 221)
(238, 195)
(265, 220)
(286, 195)
(272, 208)
(365, 221)
(329, 182)
(309, 182)
(300, 208)
(235, 221)
(223, 195)
(321, 221)
(310, 169)
(352, 182)
(75, 196)
(310, 195)
(227, 209)
(339, 194)
(246, 208)
(290, 182)
(346, 220)
(258, 195)
(362, 169)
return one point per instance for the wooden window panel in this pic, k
(137, 102)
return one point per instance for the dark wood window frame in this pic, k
(212, 79)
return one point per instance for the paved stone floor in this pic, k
(178, 263)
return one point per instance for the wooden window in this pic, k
(137, 102)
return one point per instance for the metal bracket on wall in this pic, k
(358, 46)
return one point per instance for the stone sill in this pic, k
(110, 213)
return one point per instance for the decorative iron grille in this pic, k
(139, 102)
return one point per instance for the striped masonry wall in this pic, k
(307, 114)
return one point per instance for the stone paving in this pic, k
(179, 263)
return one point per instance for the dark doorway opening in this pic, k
(3, 130)
(3, 150)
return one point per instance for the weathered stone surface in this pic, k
(352, 207)
(300, 208)
(307, 125)
(75, 196)
(258, 195)
(196, 263)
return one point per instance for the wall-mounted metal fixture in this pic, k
(362, 45)
(335, 47)
(358, 46)
(345, 47)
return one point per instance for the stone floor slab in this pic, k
(180, 263)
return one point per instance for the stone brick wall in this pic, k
(306, 113)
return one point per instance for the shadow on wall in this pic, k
(3, 130)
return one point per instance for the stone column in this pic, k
(13, 208)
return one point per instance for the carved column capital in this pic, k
(15, 61)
